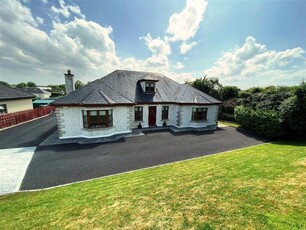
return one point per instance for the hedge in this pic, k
(268, 123)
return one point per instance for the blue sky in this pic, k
(243, 43)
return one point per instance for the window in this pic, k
(97, 118)
(138, 114)
(3, 108)
(199, 114)
(150, 87)
(165, 112)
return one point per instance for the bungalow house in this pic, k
(14, 100)
(39, 93)
(125, 100)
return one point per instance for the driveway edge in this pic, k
(131, 171)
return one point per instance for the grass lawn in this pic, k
(261, 187)
(230, 123)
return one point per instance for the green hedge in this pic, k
(268, 123)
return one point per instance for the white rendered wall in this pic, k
(70, 119)
(212, 112)
(172, 114)
(70, 122)
(17, 105)
(186, 110)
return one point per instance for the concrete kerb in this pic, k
(131, 171)
(53, 139)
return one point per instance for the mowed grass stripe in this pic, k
(260, 187)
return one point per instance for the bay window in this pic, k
(199, 114)
(97, 118)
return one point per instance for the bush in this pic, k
(226, 117)
(297, 112)
(226, 111)
(268, 123)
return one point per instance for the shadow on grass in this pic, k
(299, 142)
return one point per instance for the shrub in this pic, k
(226, 111)
(268, 123)
(296, 112)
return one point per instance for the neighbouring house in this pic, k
(38, 92)
(124, 100)
(14, 100)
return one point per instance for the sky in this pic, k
(245, 43)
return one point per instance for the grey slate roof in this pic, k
(34, 90)
(8, 93)
(123, 87)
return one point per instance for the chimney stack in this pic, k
(69, 84)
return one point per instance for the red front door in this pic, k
(152, 115)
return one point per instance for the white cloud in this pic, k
(28, 53)
(179, 65)
(65, 10)
(184, 48)
(254, 64)
(45, 1)
(39, 20)
(184, 25)
(160, 50)
(11, 11)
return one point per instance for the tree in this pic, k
(255, 90)
(5, 83)
(22, 85)
(31, 84)
(209, 85)
(78, 84)
(57, 90)
(229, 92)
(270, 97)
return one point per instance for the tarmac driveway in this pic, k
(61, 164)
(28, 134)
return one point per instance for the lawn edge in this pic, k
(131, 171)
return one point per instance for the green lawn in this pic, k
(261, 187)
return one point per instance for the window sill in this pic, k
(198, 121)
(99, 128)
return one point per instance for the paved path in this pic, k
(61, 164)
(28, 134)
(13, 165)
(13, 160)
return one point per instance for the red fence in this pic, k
(10, 119)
